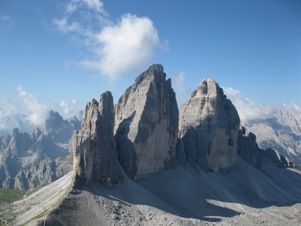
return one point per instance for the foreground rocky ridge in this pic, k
(178, 196)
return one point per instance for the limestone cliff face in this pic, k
(95, 156)
(147, 124)
(208, 127)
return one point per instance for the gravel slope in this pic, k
(39, 204)
(242, 196)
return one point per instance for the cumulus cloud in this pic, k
(247, 109)
(124, 46)
(117, 47)
(38, 113)
(181, 88)
(68, 108)
(293, 106)
(4, 116)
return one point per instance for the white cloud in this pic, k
(181, 88)
(69, 109)
(5, 18)
(38, 113)
(117, 47)
(293, 106)
(9, 113)
(126, 45)
(22, 110)
(79, 15)
(65, 26)
(4, 114)
(95, 4)
(65, 106)
(74, 5)
(247, 109)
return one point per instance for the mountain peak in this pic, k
(208, 87)
(155, 71)
(156, 68)
(209, 126)
(146, 124)
(95, 156)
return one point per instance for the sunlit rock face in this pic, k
(146, 124)
(209, 127)
(95, 157)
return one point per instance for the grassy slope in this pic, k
(10, 195)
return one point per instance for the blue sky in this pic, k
(61, 54)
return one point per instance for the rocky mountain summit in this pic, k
(147, 137)
(209, 127)
(146, 124)
(95, 156)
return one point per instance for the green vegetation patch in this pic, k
(10, 195)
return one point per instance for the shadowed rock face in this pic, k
(274, 157)
(249, 151)
(95, 156)
(208, 127)
(147, 124)
(248, 148)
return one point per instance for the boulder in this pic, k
(146, 128)
(95, 156)
(209, 126)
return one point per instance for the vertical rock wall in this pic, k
(147, 124)
(95, 156)
(208, 127)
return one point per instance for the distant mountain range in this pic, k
(40, 156)
(281, 131)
